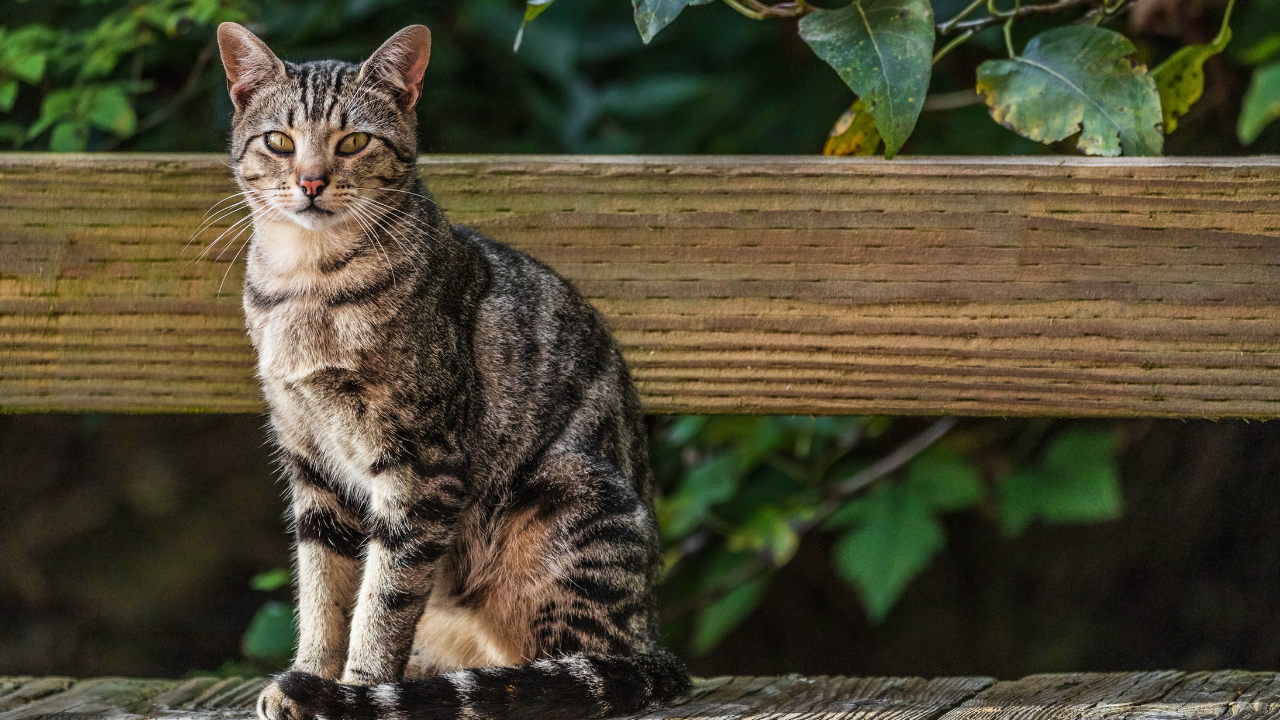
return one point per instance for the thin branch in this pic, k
(1000, 17)
(757, 10)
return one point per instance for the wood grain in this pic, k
(1168, 695)
(974, 286)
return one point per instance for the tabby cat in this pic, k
(465, 452)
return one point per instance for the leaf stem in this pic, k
(956, 41)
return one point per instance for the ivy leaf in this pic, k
(1075, 77)
(1261, 103)
(8, 94)
(653, 15)
(532, 9)
(1075, 482)
(1180, 78)
(69, 137)
(1257, 36)
(854, 133)
(29, 67)
(271, 579)
(711, 483)
(270, 633)
(725, 614)
(883, 50)
(945, 481)
(110, 110)
(898, 540)
(768, 529)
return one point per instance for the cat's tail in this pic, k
(571, 687)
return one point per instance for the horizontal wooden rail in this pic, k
(976, 286)
(1166, 695)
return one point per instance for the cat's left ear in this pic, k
(401, 63)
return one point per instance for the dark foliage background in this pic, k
(128, 543)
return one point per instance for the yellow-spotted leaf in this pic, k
(1077, 78)
(883, 50)
(854, 133)
(1180, 78)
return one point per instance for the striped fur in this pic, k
(466, 456)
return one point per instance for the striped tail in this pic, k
(572, 687)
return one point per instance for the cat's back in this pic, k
(550, 373)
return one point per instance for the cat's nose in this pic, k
(312, 186)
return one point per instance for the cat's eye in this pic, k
(353, 143)
(279, 142)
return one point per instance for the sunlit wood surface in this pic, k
(975, 286)
(1166, 695)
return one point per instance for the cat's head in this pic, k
(313, 143)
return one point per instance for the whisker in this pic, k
(398, 237)
(371, 233)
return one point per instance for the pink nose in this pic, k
(312, 186)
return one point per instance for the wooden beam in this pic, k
(975, 286)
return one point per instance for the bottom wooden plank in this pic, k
(1164, 695)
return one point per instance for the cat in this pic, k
(465, 452)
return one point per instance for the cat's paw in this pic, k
(273, 705)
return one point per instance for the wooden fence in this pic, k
(973, 286)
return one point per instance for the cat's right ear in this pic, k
(249, 63)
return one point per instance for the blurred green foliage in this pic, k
(739, 495)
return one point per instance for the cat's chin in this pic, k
(314, 218)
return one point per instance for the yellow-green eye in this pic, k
(353, 143)
(279, 142)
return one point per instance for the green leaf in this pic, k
(69, 137)
(270, 633)
(727, 613)
(945, 481)
(1261, 103)
(29, 67)
(1257, 34)
(8, 94)
(854, 133)
(685, 429)
(883, 50)
(271, 579)
(1180, 78)
(532, 9)
(1076, 482)
(899, 539)
(768, 529)
(653, 15)
(1072, 77)
(711, 483)
(111, 110)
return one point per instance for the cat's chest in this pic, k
(301, 337)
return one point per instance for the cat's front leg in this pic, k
(329, 534)
(411, 521)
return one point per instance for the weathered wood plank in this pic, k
(1165, 695)
(1169, 695)
(979, 286)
